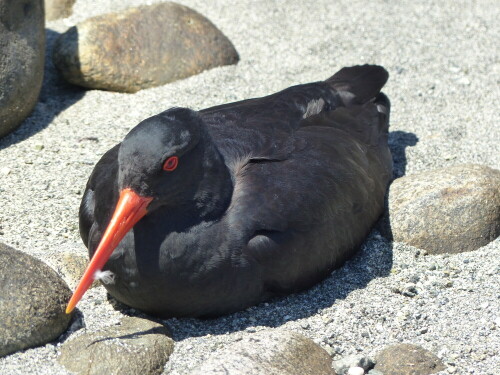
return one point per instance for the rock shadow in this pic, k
(398, 142)
(374, 259)
(77, 322)
(135, 335)
(55, 96)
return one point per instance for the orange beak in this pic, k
(131, 207)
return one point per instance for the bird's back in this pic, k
(311, 166)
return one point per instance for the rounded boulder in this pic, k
(32, 302)
(140, 48)
(22, 57)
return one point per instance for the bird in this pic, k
(202, 213)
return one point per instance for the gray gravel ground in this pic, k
(443, 58)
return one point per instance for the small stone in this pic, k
(39, 147)
(407, 359)
(5, 171)
(410, 291)
(141, 47)
(414, 279)
(344, 364)
(55, 9)
(304, 325)
(432, 267)
(329, 350)
(424, 331)
(464, 81)
(355, 371)
(327, 319)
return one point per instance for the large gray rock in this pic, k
(447, 210)
(22, 56)
(33, 299)
(55, 9)
(141, 47)
(136, 346)
(407, 359)
(269, 353)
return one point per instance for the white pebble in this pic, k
(355, 371)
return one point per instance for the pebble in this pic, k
(410, 291)
(464, 81)
(355, 371)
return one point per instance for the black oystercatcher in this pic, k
(202, 213)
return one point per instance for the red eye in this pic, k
(171, 163)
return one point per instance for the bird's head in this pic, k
(162, 155)
(158, 161)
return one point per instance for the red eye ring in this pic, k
(171, 163)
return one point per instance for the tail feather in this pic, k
(359, 84)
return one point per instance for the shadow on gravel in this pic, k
(373, 260)
(398, 142)
(55, 96)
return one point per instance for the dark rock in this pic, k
(135, 346)
(448, 210)
(269, 353)
(141, 47)
(344, 364)
(407, 359)
(32, 302)
(22, 43)
(409, 291)
(55, 9)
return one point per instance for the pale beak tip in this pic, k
(69, 310)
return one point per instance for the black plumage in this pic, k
(269, 195)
